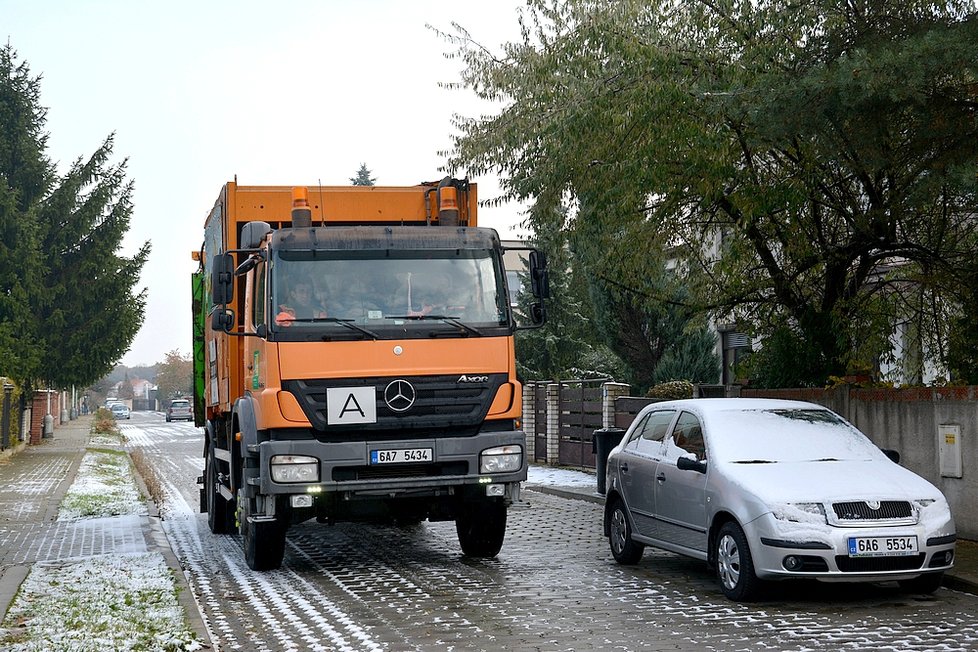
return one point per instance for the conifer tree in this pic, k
(71, 310)
(363, 177)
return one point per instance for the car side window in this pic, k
(637, 433)
(654, 431)
(687, 436)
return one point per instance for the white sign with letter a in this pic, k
(346, 405)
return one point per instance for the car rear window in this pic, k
(180, 404)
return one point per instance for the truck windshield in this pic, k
(387, 293)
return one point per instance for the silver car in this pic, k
(768, 490)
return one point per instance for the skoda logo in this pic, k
(873, 504)
(399, 395)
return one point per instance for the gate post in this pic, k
(529, 422)
(609, 394)
(553, 424)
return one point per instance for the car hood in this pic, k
(781, 482)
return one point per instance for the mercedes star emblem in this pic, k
(399, 395)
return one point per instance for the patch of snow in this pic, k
(104, 486)
(111, 602)
(556, 477)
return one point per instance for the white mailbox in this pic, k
(949, 445)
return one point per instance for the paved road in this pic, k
(554, 586)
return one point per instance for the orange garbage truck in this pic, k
(354, 361)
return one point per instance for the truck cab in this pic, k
(376, 378)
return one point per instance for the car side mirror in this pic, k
(892, 454)
(689, 464)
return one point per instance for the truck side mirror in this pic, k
(222, 279)
(222, 319)
(538, 314)
(539, 279)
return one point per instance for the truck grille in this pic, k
(441, 402)
(341, 474)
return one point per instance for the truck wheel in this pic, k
(264, 542)
(481, 529)
(220, 511)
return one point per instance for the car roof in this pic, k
(709, 406)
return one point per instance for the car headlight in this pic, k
(800, 513)
(501, 459)
(294, 468)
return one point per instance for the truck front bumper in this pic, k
(356, 470)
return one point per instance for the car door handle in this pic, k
(624, 467)
(661, 477)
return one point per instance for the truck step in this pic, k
(261, 519)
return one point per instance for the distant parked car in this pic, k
(120, 411)
(179, 409)
(771, 490)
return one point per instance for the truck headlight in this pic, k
(501, 459)
(294, 468)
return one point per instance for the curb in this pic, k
(157, 541)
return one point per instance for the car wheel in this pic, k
(623, 548)
(734, 564)
(923, 583)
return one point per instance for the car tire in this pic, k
(624, 549)
(734, 564)
(927, 583)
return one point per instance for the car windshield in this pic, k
(786, 435)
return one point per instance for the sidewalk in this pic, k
(34, 482)
(579, 485)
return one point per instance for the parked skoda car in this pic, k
(120, 410)
(179, 408)
(769, 490)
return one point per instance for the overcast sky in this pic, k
(289, 93)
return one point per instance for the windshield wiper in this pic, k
(454, 321)
(754, 462)
(341, 322)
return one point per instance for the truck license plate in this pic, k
(400, 456)
(882, 546)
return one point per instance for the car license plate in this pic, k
(400, 456)
(882, 546)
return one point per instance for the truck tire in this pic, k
(220, 511)
(481, 528)
(264, 542)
